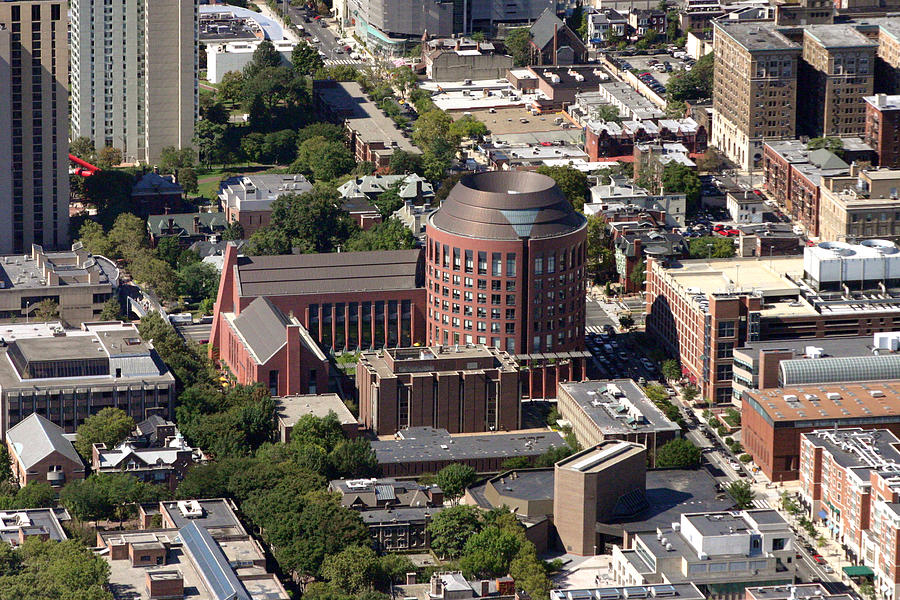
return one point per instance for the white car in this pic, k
(315, 40)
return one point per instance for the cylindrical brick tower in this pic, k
(505, 265)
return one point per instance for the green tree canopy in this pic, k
(454, 479)
(742, 494)
(573, 183)
(679, 453)
(265, 56)
(489, 552)
(305, 59)
(388, 235)
(49, 570)
(353, 569)
(109, 426)
(711, 246)
(694, 84)
(198, 281)
(680, 179)
(468, 127)
(109, 157)
(403, 162)
(451, 528)
(83, 148)
(671, 369)
(518, 44)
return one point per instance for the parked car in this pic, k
(818, 558)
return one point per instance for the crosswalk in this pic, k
(333, 62)
(761, 503)
(594, 329)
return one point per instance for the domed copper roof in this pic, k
(507, 205)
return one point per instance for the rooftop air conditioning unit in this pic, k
(190, 509)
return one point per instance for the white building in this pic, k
(234, 56)
(746, 207)
(134, 74)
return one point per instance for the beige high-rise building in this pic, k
(134, 74)
(34, 180)
(837, 72)
(755, 93)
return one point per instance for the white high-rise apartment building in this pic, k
(134, 74)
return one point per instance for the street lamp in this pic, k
(709, 248)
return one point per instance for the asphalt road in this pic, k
(318, 29)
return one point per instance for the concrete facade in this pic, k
(34, 113)
(134, 75)
(589, 485)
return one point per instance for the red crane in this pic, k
(85, 169)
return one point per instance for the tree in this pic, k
(403, 162)
(172, 159)
(678, 453)
(689, 392)
(209, 138)
(37, 494)
(198, 281)
(127, 236)
(265, 56)
(211, 109)
(694, 84)
(607, 112)
(553, 456)
(671, 369)
(518, 44)
(109, 426)
(835, 145)
(353, 458)
(45, 569)
(468, 127)
(231, 88)
(454, 479)
(187, 177)
(638, 274)
(451, 528)
(45, 310)
(323, 129)
(6, 474)
(388, 235)
(83, 148)
(431, 127)
(305, 59)
(233, 231)
(573, 183)
(679, 179)
(709, 246)
(626, 321)
(514, 463)
(353, 569)
(438, 158)
(742, 494)
(112, 310)
(93, 238)
(676, 109)
(489, 552)
(109, 157)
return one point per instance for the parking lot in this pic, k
(648, 63)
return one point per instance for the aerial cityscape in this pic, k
(450, 300)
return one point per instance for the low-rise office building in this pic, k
(721, 553)
(40, 452)
(248, 199)
(18, 525)
(461, 389)
(614, 410)
(68, 375)
(595, 485)
(849, 482)
(397, 513)
(863, 206)
(681, 591)
(77, 281)
(201, 550)
(419, 450)
(773, 421)
(290, 409)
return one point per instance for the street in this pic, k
(328, 43)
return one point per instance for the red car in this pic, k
(818, 558)
(733, 231)
(718, 227)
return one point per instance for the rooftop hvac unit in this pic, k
(814, 352)
(190, 509)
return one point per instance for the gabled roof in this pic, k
(542, 29)
(825, 159)
(154, 183)
(262, 326)
(183, 223)
(35, 438)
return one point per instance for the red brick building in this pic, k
(505, 265)
(883, 128)
(462, 390)
(774, 420)
(39, 452)
(848, 482)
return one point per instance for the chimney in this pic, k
(555, 32)
(196, 223)
(880, 100)
(457, 44)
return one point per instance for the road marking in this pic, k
(331, 62)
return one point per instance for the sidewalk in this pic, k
(278, 18)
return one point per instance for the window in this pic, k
(510, 313)
(723, 372)
(468, 261)
(551, 263)
(510, 265)
(726, 328)
(724, 350)
(456, 259)
(539, 265)
(482, 263)
(273, 382)
(496, 264)
(779, 543)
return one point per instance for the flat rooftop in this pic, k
(860, 449)
(218, 517)
(33, 521)
(772, 277)
(682, 591)
(861, 345)
(812, 402)
(838, 36)
(796, 592)
(290, 409)
(756, 37)
(669, 493)
(618, 406)
(364, 116)
(426, 444)
(884, 101)
(600, 457)
(341, 272)
(22, 271)
(525, 484)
